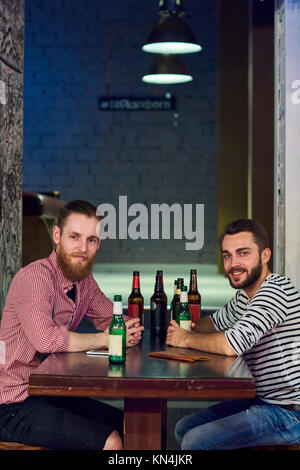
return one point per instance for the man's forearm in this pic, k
(85, 341)
(209, 342)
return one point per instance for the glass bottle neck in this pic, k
(159, 274)
(193, 283)
(158, 284)
(136, 282)
(117, 309)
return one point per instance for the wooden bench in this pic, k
(18, 446)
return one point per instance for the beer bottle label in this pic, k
(158, 316)
(195, 311)
(134, 311)
(115, 345)
(185, 324)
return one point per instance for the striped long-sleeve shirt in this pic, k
(37, 318)
(266, 331)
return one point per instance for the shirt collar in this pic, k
(265, 280)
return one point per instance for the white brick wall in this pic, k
(76, 51)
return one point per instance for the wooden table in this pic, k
(144, 383)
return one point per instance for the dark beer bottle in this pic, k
(180, 283)
(136, 300)
(184, 317)
(117, 333)
(175, 285)
(174, 307)
(161, 274)
(174, 293)
(194, 297)
(158, 308)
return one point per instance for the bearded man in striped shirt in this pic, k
(262, 324)
(46, 302)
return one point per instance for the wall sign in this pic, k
(136, 104)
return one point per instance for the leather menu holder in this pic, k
(179, 356)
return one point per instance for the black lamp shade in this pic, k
(168, 69)
(171, 35)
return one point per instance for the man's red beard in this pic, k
(74, 271)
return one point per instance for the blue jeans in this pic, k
(60, 423)
(238, 423)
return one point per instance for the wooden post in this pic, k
(11, 141)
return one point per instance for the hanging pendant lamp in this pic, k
(167, 70)
(171, 35)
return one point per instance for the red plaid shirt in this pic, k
(36, 320)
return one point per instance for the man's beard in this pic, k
(74, 271)
(250, 279)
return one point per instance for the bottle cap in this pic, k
(117, 298)
(184, 289)
(136, 273)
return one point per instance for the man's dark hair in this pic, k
(78, 207)
(247, 225)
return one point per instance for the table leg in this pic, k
(145, 424)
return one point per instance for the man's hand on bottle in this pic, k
(176, 336)
(133, 332)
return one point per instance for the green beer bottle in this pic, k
(117, 334)
(184, 317)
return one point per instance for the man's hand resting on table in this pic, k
(209, 340)
(133, 332)
(100, 340)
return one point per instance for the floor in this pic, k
(176, 410)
